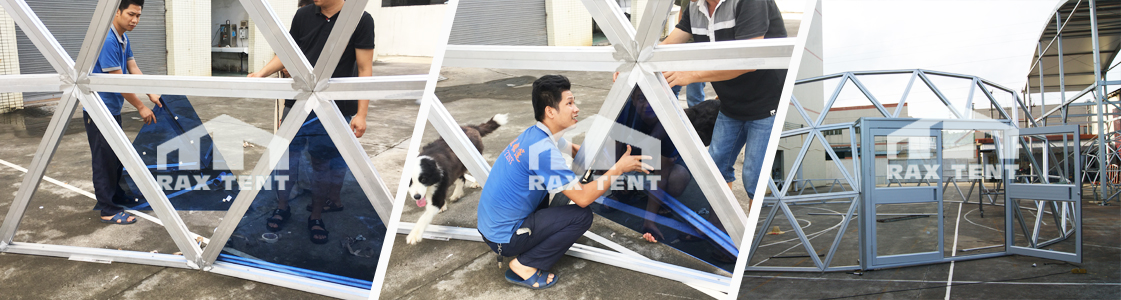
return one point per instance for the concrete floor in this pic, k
(1013, 276)
(62, 216)
(467, 270)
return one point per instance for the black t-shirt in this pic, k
(310, 29)
(753, 95)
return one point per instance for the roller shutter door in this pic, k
(68, 20)
(500, 22)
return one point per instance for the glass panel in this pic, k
(668, 203)
(1048, 223)
(1052, 155)
(910, 161)
(906, 228)
(313, 183)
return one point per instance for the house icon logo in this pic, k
(229, 136)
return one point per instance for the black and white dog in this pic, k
(440, 169)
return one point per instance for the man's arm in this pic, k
(587, 193)
(365, 60)
(686, 77)
(273, 66)
(134, 69)
(145, 112)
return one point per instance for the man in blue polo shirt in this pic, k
(510, 218)
(115, 58)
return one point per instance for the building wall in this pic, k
(188, 41)
(9, 61)
(407, 30)
(811, 96)
(568, 23)
(259, 50)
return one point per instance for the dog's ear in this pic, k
(429, 172)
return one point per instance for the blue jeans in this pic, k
(729, 136)
(694, 93)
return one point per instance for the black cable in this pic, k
(951, 285)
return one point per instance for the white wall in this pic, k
(222, 10)
(568, 23)
(188, 45)
(407, 30)
(259, 50)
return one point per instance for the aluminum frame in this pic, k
(310, 86)
(862, 179)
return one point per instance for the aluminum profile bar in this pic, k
(906, 92)
(444, 123)
(595, 140)
(939, 94)
(614, 24)
(43, 154)
(727, 55)
(33, 27)
(832, 99)
(672, 118)
(111, 255)
(95, 36)
(575, 58)
(262, 88)
(356, 159)
(867, 94)
(289, 281)
(608, 257)
(282, 43)
(348, 18)
(801, 235)
(144, 180)
(377, 87)
(650, 24)
(30, 83)
(265, 165)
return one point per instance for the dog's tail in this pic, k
(492, 124)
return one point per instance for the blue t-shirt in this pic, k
(114, 56)
(527, 170)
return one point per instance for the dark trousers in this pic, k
(107, 169)
(552, 231)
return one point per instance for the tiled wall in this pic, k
(188, 38)
(568, 23)
(259, 50)
(9, 61)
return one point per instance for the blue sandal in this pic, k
(538, 277)
(120, 218)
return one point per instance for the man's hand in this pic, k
(155, 99)
(629, 163)
(254, 75)
(358, 126)
(680, 78)
(147, 115)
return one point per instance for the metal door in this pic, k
(903, 183)
(1045, 182)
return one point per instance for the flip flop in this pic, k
(538, 277)
(120, 218)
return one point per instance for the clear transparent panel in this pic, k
(906, 228)
(908, 161)
(313, 184)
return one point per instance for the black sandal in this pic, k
(314, 232)
(328, 206)
(275, 223)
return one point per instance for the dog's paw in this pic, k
(413, 238)
(473, 185)
(442, 209)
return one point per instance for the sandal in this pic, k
(311, 223)
(538, 277)
(329, 206)
(275, 223)
(120, 218)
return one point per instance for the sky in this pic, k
(992, 39)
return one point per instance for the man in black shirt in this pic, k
(311, 26)
(748, 98)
